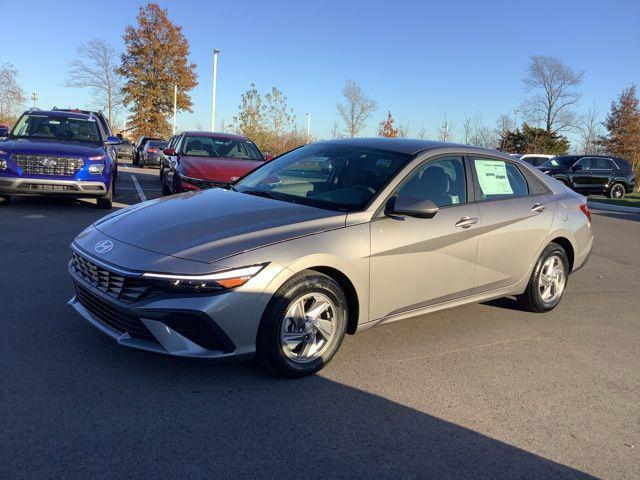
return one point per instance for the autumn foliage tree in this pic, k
(387, 128)
(623, 126)
(11, 94)
(156, 58)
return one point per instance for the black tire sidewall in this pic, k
(268, 344)
(614, 186)
(534, 292)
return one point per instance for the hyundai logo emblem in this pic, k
(103, 246)
(47, 162)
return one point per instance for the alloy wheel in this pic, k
(617, 191)
(308, 327)
(552, 279)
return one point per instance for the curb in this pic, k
(612, 208)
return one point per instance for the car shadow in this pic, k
(632, 217)
(508, 303)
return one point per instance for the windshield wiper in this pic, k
(271, 195)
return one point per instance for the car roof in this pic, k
(198, 133)
(58, 113)
(406, 145)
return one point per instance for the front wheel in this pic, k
(302, 326)
(106, 202)
(617, 190)
(548, 280)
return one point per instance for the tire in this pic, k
(106, 202)
(541, 296)
(617, 190)
(176, 185)
(165, 188)
(5, 199)
(314, 339)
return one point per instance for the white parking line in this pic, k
(143, 197)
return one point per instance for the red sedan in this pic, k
(200, 160)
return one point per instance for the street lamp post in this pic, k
(175, 107)
(308, 127)
(213, 90)
(34, 98)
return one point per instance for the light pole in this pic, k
(175, 107)
(308, 127)
(213, 90)
(34, 98)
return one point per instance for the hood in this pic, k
(218, 169)
(209, 225)
(50, 147)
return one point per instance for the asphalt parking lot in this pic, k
(483, 391)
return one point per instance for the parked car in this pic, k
(151, 153)
(168, 161)
(535, 159)
(140, 143)
(207, 160)
(331, 238)
(592, 174)
(58, 153)
(125, 149)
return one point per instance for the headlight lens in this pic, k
(212, 282)
(3, 164)
(97, 168)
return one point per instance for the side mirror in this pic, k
(411, 207)
(267, 157)
(112, 141)
(576, 167)
(169, 151)
(4, 132)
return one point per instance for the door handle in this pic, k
(466, 222)
(538, 207)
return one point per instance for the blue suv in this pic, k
(58, 153)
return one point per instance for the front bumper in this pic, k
(39, 186)
(222, 325)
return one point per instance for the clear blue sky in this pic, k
(418, 59)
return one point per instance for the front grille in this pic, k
(48, 165)
(120, 287)
(205, 184)
(49, 188)
(105, 313)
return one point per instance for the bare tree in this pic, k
(335, 131)
(476, 134)
(553, 84)
(422, 133)
(403, 129)
(95, 68)
(467, 129)
(11, 94)
(356, 109)
(444, 134)
(590, 132)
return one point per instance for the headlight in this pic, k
(3, 164)
(211, 282)
(97, 168)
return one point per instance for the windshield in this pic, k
(157, 144)
(57, 127)
(558, 162)
(324, 175)
(200, 146)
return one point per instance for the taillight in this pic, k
(153, 150)
(585, 209)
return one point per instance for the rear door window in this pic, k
(499, 179)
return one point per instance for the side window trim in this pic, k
(478, 191)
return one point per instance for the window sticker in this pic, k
(492, 175)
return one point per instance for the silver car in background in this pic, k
(331, 238)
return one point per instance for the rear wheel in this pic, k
(617, 190)
(5, 199)
(302, 326)
(106, 202)
(548, 280)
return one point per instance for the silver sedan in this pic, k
(327, 240)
